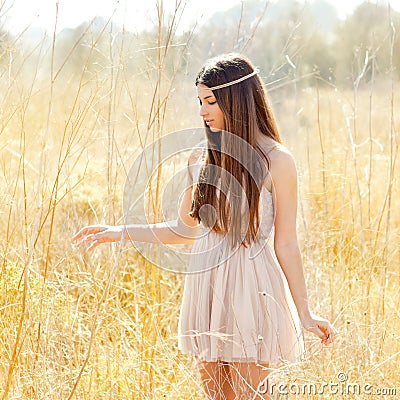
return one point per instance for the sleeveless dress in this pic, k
(236, 305)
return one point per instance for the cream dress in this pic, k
(237, 306)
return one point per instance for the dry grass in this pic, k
(99, 326)
(349, 226)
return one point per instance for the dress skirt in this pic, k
(237, 306)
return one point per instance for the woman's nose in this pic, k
(203, 110)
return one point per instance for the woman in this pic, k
(243, 302)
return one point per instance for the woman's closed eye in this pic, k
(210, 102)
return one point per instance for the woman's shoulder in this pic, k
(196, 155)
(276, 151)
(281, 160)
(195, 161)
(281, 154)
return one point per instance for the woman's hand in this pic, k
(97, 234)
(320, 327)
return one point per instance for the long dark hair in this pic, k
(240, 167)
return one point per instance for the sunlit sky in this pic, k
(16, 15)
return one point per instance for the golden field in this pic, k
(103, 325)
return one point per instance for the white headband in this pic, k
(256, 71)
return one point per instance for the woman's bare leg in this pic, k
(216, 380)
(249, 380)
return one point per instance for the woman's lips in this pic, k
(208, 121)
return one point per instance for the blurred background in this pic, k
(87, 85)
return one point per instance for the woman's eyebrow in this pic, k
(205, 98)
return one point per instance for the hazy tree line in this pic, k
(300, 41)
(287, 40)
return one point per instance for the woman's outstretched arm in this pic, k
(284, 176)
(183, 229)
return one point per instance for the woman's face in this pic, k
(209, 110)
